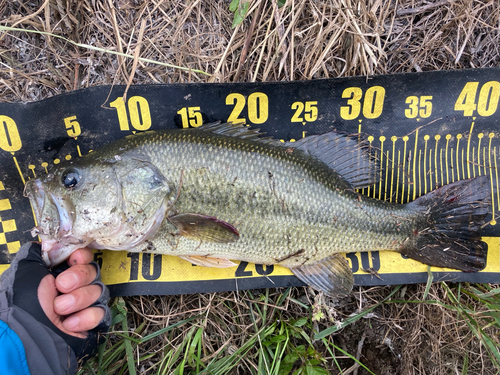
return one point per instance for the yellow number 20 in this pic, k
(257, 107)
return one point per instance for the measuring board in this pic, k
(427, 129)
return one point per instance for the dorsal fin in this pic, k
(239, 130)
(348, 155)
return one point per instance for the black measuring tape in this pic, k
(429, 129)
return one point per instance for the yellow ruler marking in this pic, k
(426, 138)
(175, 269)
(430, 169)
(370, 139)
(18, 168)
(31, 167)
(484, 160)
(473, 162)
(386, 176)
(468, 148)
(397, 176)
(24, 182)
(410, 183)
(463, 167)
(496, 175)
(437, 137)
(459, 137)
(441, 164)
(393, 139)
(414, 169)
(452, 169)
(448, 137)
(78, 150)
(419, 172)
(480, 136)
(405, 140)
(493, 221)
(382, 139)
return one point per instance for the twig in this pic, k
(137, 52)
(248, 40)
(424, 8)
(88, 46)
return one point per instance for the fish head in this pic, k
(114, 204)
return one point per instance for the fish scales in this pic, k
(222, 192)
(280, 202)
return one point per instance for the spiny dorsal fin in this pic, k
(348, 155)
(239, 131)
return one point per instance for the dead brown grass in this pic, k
(301, 40)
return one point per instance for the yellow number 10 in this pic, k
(138, 109)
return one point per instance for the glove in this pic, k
(21, 296)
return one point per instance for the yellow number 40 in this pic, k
(487, 103)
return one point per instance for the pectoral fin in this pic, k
(208, 261)
(204, 228)
(332, 275)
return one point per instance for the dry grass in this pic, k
(301, 40)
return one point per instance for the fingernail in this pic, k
(64, 302)
(68, 280)
(71, 323)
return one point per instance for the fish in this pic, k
(224, 192)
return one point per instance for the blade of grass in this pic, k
(224, 365)
(327, 345)
(430, 278)
(169, 328)
(474, 326)
(354, 318)
(103, 50)
(128, 347)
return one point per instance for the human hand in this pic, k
(68, 298)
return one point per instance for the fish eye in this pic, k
(70, 177)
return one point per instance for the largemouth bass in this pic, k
(222, 192)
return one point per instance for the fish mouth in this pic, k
(54, 218)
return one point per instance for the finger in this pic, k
(75, 277)
(46, 293)
(81, 256)
(84, 320)
(77, 300)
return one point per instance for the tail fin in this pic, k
(451, 235)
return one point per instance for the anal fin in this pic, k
(206, 261)
(332, 275)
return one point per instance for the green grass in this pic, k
(465, 310)
(274, 333)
